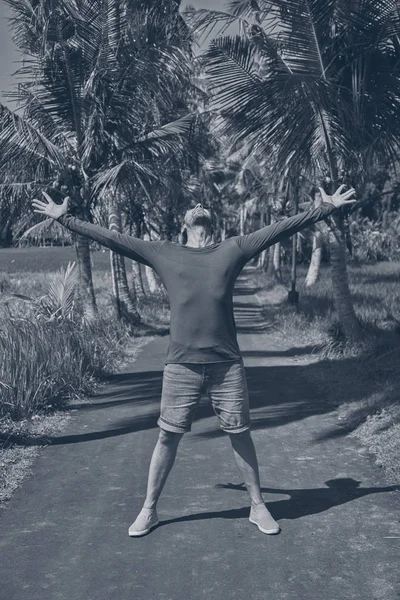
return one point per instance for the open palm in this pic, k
(339, 199)
(50, 208)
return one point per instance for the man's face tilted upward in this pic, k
(198, 217)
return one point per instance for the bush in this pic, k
(48, 352)
(375, 241)
(42, 364)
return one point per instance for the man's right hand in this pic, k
(50, 208)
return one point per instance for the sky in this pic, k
(9, 56)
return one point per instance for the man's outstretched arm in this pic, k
(254, 243)
(127, 245)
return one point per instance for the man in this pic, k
(203, 354)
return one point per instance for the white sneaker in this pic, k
(261, 517)
(145, 521)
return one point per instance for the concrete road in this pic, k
(64, 535)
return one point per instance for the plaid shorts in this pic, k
(223, 382)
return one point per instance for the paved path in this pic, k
(64, 534)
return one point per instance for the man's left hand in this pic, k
(339, 199)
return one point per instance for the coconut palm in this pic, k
(327, 101)
(90, 89)
(316, 258)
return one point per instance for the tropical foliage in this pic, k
(314, 85)
(102, 112)
(115, 111)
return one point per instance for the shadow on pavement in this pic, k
(123, 427)
(278, 395)
(126, 388)
(302, 502)
(244, 290)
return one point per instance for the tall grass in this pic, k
(42, 364)
(48, 355)
(375, 290)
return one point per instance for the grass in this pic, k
(44, 366)
(363, 382)
(15, 261)
(44, 363)
(374, 288)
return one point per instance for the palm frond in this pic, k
(33, 102)
(173, 129)
(46, 229)
(20, 140)
(306, 30)
(204, 23)
(60, 297)
(109, 178)
(372, 20)
(256, 9)
(231, 73)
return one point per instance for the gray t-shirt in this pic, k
(199, 281)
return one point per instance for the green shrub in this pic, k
(373, 241)
(42, 364)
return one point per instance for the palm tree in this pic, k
(327, 101)
(319, 235)
(125, 299)
(151, 28)
(88, 97)
(316, 258)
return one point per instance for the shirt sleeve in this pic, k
(140, 250)
(253, 243)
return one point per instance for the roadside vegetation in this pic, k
(362, 381)
(51, 357)
(49, 351)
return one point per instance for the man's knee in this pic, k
(169, 438)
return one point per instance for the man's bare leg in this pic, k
(161, 464)
(246, 459)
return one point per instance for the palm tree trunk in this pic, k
(242, 219)
(82, 244)
(86, 295)
(223, 229)
(277, 261)
(340, 285)
(151, 279)
(270, 262)
(137, 268)
(125, 299)
(340, 281)
(262, 259)
(315, 263)
(137, 279)
(274, 263)
(144, 280)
